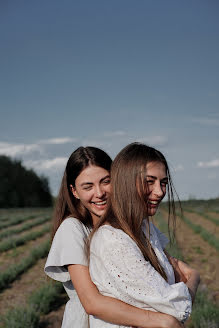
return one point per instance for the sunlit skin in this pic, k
(92, 187)
(156, 185)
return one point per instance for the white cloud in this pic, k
(209, 164)
(10, 149)
(154, 140)
(47, 164)
(20, 150)
(115, 134)
(57, 141)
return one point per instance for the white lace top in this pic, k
(118, 269)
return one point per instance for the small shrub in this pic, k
(21, 318)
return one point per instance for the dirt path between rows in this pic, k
(17, 254)
(18, 292)
(205, 223)
(213, 214)
(200, 255)
(20, 225)
(54, 318)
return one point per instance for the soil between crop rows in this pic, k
(18, 253)
(21, 288)
(200, 255)
(205, 223)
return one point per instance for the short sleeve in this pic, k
(132, 279)
(68, 247)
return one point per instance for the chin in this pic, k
(152, 212)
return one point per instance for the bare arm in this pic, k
(179, 276)
(185, 273)
(192, 276)
(113, 310)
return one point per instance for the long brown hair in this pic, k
(128, 203)
(66, 204)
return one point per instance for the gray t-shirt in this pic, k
(69, 247)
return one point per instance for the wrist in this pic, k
(195, 275)
(192, 274)
(168, 322)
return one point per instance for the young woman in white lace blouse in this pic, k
(81, 201)
(127, 257)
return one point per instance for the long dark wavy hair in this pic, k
(128, 201)
(66, 204)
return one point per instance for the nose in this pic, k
(99, 192)
(158, 190)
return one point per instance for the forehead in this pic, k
(91, 174)
(156, 169)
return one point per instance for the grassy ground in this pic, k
(29, 299)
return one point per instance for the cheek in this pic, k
(107, 189)
(149, 189)
(84, 196)
(164, 189)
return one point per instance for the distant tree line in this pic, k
(20, 187)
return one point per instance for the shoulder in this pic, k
(108, 236)
(71, 228)
(73, 224)
(109, 231)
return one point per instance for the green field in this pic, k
(29, 299)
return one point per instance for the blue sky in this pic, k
(106, 73)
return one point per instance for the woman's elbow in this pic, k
(91, 308)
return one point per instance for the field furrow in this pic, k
(36, 302)
(17, 269)
(29, 281)
(30, 309)
(198, 229)
(213, 217)
(199, 254)
(23, 227)
(10, 243)
(18, 253)
(204, 222)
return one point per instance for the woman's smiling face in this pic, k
(156, 177)
(92, 187)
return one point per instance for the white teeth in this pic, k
(154, 202)
(100, 203)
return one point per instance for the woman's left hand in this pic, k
(179, 276)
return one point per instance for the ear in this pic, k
(74, 192)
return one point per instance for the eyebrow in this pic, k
(153, 177)
(90, 183)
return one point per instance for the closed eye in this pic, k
(106, 181)
(150, 181)
(89, 187)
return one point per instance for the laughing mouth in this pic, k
(154, 202)
(99, 203)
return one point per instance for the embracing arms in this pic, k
(113, 310)
(186, 274)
